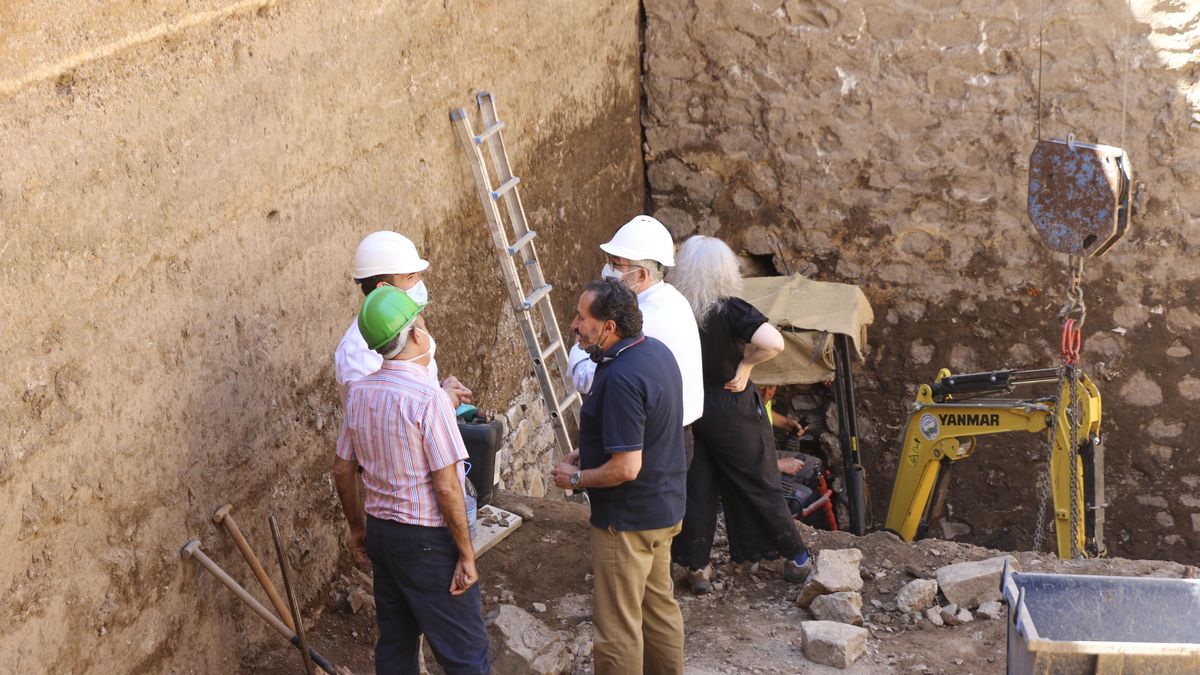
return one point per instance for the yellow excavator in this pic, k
(950, 414)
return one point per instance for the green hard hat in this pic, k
(385, 313)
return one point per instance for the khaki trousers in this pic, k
(638, 625)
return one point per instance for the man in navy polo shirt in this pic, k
(631, 460)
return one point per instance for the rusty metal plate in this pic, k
(1078, 195)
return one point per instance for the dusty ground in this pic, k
(749, 625)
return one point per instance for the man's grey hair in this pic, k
(395, 345)
(654, 268)
(706, 271)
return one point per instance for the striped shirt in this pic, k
(399, 428)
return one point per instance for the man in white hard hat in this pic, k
(638, 255)
(387, 258)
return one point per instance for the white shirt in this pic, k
(667, 317)
(354, 360)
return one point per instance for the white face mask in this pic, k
(419, 293)
(608, 272)
(429, 352)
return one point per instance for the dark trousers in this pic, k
(735, 461)
(414, 566)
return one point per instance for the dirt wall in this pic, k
(886, 144)
(183, 187)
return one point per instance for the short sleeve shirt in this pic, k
(399, 427)
(723, 339)
(636, 403)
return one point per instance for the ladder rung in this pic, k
(534, 297)
(486, 133)
(508, 185)
(566, 402)
(520, 243)
(554, 346)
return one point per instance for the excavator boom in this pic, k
(941, 430)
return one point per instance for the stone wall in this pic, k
(183, 186)
(886, 144)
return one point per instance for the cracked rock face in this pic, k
(861, 142)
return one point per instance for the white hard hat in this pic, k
(386, 252)
(643, 238)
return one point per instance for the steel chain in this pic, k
(1073, 460)
(1047, 480)
(1073, 314)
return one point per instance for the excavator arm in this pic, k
(941, 430)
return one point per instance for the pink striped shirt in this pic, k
(400, 428)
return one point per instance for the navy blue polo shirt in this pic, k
(636, 403)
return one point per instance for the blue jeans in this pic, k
(413, 568)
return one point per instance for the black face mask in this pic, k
(594, 351)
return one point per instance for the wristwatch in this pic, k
(575, 478)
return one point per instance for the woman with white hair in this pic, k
(735, 457)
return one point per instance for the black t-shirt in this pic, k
(723, 339)
(636, 403)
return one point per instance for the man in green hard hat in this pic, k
(399, 427)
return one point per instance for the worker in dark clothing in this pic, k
(735, 459)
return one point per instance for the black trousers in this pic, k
(735, 461)
(414, 566)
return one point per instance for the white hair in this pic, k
(652, 267)
(396, 345)
(706, 271)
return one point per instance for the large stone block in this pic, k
(836, 571)
(971, 584)
(833, 644)
(526, 645)
(843, 607)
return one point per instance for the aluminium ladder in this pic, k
(523, 249)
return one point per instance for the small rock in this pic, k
(357, 599)
(506, 595)
(539, 607)
(934, 614)
(950, 615)
(990, 610)
(964, 616)
(917, 595)
(582, 646)
(833, 644)
(845, 607)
